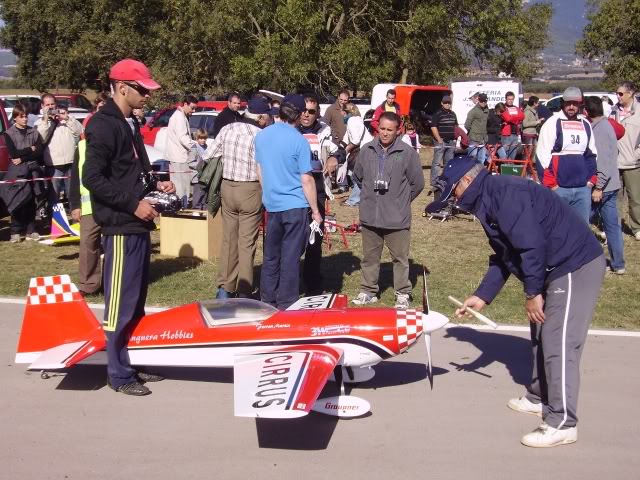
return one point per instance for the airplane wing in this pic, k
(318, 302)
(283, 383)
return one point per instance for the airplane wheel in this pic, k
(44, 375)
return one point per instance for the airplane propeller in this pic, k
(425, 311)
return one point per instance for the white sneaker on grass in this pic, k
(545, 436)
(364, 298)
(524, 405)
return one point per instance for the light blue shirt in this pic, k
(283, 155)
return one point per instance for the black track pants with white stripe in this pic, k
(558, 343)
(126, 278)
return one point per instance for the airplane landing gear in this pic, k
(343, 405)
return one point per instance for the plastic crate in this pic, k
(507, 169)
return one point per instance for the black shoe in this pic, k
(134, 388)
(149, 377)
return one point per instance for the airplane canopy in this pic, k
(235, 311)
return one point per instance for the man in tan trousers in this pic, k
(241, 199)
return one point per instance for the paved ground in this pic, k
(72, 426)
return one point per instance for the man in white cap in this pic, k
(117, 174)
(567, 154)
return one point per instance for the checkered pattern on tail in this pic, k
(409, 323)
(56, 289)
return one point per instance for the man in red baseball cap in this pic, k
(117, 174)
(129, 70)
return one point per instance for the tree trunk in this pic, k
(405, 75)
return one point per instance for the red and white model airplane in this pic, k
(281, 359)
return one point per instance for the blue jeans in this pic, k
(354, 198)
(442, 153)
(57, 186)
(284, 243)
(510, 144)
(477, 152)
(608, 211)
(578, 198)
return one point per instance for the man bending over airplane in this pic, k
(539, 238)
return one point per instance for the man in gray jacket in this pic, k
(390, 176)
(605, 192)
(627, 112)
(476, 127)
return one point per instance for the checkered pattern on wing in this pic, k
(407, 322)
(56, 289)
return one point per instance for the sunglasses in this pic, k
(620, 93)
(446, 103)
(138, 88)
(310, 111)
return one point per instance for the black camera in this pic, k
(380, 186)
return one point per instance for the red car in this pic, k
(153, 126)
(217, 105)
(73, 100)
(4, 153)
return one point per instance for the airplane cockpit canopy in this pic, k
(235, 311)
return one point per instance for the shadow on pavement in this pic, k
(391, 374)
(312, 432)
(82, 377)
(512, 351)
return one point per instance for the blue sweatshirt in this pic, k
(534, 233)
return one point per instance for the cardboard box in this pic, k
(191, 233)
(510, 169)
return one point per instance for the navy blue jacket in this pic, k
(535, 235)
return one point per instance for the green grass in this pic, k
(456, 252)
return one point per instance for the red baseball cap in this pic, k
(133, 71)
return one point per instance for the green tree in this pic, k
(275, 44)
(612, 36)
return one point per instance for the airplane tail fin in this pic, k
(60, 223)
(58, 328)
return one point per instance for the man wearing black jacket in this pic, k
(116, 173)
(229, 114)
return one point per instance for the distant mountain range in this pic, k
(567, 24)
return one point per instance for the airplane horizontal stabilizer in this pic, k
(283, 383)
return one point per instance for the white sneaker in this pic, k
(524, 405)
(545, 436)
(637, 235)
(402, 300)
(364, 298)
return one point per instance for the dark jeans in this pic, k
(57, 186)
(311, 271)
(23, 219)
(284, 243)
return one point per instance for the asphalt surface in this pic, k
(71, 426)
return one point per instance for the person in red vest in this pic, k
(512, 118)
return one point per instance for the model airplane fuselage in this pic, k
(283, 356)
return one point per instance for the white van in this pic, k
(494, 88)
(553, 103)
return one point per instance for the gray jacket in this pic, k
(629, 145)
(607, 146)
(402, 170)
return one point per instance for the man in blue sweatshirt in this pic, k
(540, 239)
